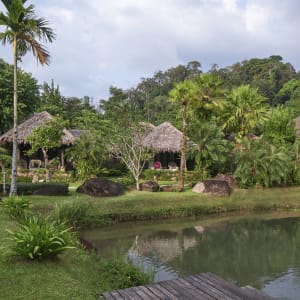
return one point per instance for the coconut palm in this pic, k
(25, 31)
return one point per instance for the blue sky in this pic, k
(101, 43)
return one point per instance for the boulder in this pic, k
(100, 187)
(149, 186)
(213, 186)
(226, 177)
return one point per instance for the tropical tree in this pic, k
(126, 145)
(209, 146)
(46, 137)
(259, 162)
(5, 160)
(88, 154)
(24, 30)
(245, 111)
(185, 93)
(280, 126)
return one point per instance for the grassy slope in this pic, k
(78, 275)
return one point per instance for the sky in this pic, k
(100, 43)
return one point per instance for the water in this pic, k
(263, 252)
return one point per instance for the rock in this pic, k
(213, 186)
(198, 188)
(225, 177)
(100, 187)
(149, 186)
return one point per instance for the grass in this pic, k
(77, 274)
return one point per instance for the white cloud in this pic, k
(100, 43)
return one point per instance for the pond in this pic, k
(261, 251)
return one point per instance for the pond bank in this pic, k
(145, 206)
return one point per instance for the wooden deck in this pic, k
(205, 286)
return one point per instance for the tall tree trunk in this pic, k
(3, 179)
(46, 160)
(13, 184)
(137, 183)
(183, 147)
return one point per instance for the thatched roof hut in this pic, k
(26, 128)
(164, 138)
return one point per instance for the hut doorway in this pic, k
(167, 158)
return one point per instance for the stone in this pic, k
(228, 178)
(198, 188)
(213, 186)
(149, 186)
(100, 187)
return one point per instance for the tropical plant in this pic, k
(185, 93)
(74, 214)
(5, 160)
(39, 237)
(280, 126)
(88, 154)
(209, 146)
(245, 111)
(24, 31)
(46, 137)
(259, 162)
(16, 207)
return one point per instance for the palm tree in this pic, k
(184, 93)
(24, 31)
(245, 111)
(5, 160)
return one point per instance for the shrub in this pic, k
(38, 238)
(15, 207)
(123, 275)
(73, 213)
(43, 188)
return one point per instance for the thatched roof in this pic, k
(163, 138)
(26, 128)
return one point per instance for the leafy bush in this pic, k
(38, 238)
(15, 206)
(123, 275)
(149, 174)
(125, 181)
(73, 213)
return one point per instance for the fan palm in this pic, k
(24, 30)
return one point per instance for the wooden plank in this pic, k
(228, 294)
(165, 292)
(197, 293)
(205, 286)
(113, 295)
(139, 291)
(256, 293)
(208, 289)
(244, 294)
(154, 294)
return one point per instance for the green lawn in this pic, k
(80, 275)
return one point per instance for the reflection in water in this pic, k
(261, 253)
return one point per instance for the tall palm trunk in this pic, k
(13, 185)
(183, 147)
